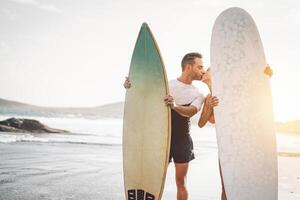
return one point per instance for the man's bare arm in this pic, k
(186, 111)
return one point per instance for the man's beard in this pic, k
(199, 78)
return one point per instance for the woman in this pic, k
(208, 107)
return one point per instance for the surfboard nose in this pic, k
(145, 25)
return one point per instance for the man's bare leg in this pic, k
(181, 176)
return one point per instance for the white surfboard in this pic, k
(244, 117)
(147, 123)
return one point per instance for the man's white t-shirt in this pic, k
(184, 94)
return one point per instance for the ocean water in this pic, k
(83, 131)
(109, 132)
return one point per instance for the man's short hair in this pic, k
(189, 59)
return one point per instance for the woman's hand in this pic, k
(211, 101)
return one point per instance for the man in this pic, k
(185, 100)
(206, 78)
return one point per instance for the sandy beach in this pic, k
(34, 170)
(60, 171)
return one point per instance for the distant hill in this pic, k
(114, 110)
(8, 103)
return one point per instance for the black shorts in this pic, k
(182, 149)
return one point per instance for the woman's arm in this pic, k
(212, 118)
(207, 111)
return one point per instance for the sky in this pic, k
(76, 53)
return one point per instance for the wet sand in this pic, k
(33, 170)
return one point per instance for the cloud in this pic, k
(9, 14)
(41, 6)
(24, 1)
(4, 48)
(293, 15)
(50, 8)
